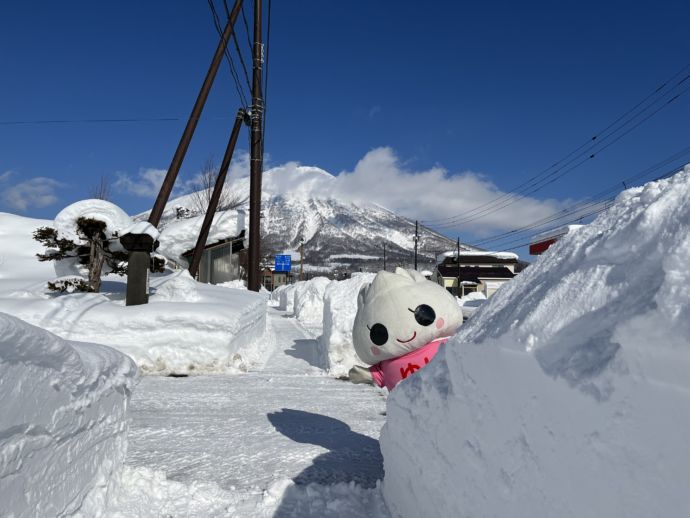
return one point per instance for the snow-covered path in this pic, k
(251, 436)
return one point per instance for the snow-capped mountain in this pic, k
(303, 203)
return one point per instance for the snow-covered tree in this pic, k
(84, 242)
(93, 252)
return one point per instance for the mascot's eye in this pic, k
(424, 315)
(378, 334)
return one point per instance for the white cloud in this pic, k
(145, 184)
(35, 193)
(432, 194)
(6, 175)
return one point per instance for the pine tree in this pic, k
(93, 252)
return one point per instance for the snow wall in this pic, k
(308, 305)
(63, 423)
(568, 393)
(287, 297)
(187, 327)
(339, 310)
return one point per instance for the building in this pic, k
(483, 272)
(221, 260)
(541, 242)
(271, 279)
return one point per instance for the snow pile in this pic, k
(115, 219)
(237, 284)
(339, 310)
(19, 267)
(180, 235)
(186, 327)
(308, 305)
(275, 295)
(63, 422)
(471, 302)
(287, 297)
(572, 397)
(143, 227)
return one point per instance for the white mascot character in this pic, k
(402, 319)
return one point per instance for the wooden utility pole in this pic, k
(301, 260)
(215, 197)
(256, 153)
(181, 151)
(384, 256)
(458, 252)
(416, 239)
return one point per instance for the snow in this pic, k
(256, 444)
(474, 253)
(142, 227)
(180, 235)
(471, 302)
(63, 423)
(567, 394)
(555, 233)
(339, 310)
(308, 304)
(115, 219)
(287, 297)
(19, 267)
(186, 327)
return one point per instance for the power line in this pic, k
(584, 149)
(597, 199)
(237, 45)
(596, 207)
(268, 47)
(233, 71)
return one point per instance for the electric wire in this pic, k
(554, 176)
(596, 208)
(591, 202)
(237, 45)
(591, 145)
(265, 92)
(233, 71)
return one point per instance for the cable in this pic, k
(233, 72)
(592, 143)
(268, 47)
(594, 207)
(237, 46)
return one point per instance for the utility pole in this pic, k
(138, 245)
(256, 153)
(384, 256)
(301, 260)
(215, 197)
(458, 252)
(416, 239)
(181, 151)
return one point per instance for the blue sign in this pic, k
(283, 263)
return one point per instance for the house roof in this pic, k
(236, 243)
(479, 259)
(475, 273)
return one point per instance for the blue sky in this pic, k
(501, 89)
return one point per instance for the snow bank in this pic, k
(308, 305)
(471, 302)
(287, 297)
(186, 327)
(568, 393)
(19, 267)
(339, 310)
(63, 422)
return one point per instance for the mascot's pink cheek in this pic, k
(375, 351)
(440, 323)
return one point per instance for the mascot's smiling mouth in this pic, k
(405, 341)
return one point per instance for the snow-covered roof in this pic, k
(472, 253)
(555, 233)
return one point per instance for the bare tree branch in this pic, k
(102, 190)
(206, 180)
